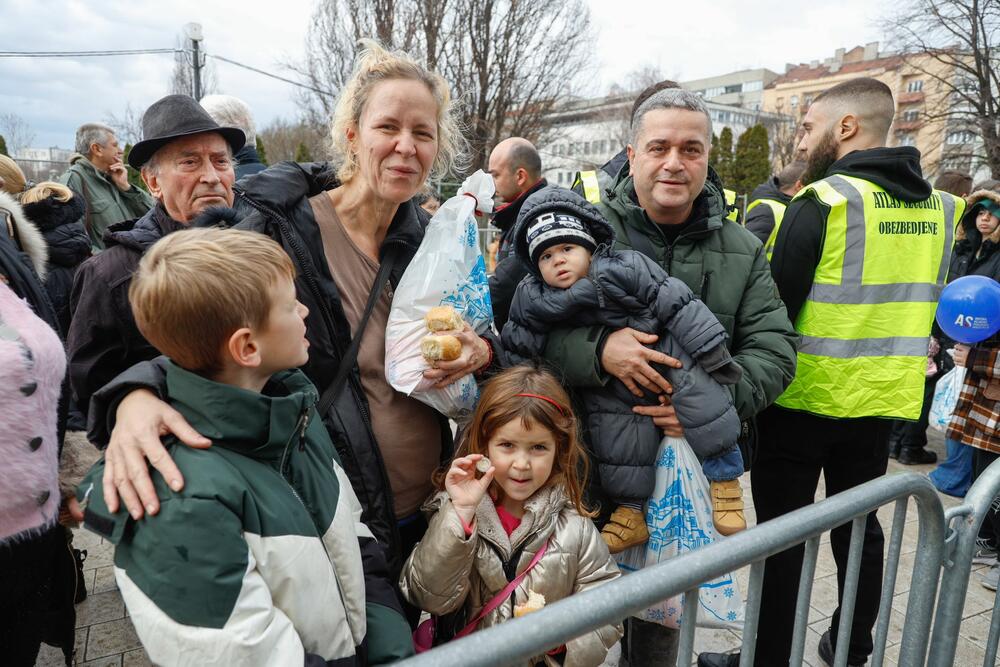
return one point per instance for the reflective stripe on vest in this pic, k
(867, 319)
(591, 186)
(778, 211)
(734, 214)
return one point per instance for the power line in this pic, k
(135, 52)
(273, 76)
(81, 54)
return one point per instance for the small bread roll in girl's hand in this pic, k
(534, 602)
(440, 348)
(444, 318)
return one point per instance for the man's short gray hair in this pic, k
(231, 111)
(92, 133)
(669, 98)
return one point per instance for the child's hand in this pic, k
(465, 490)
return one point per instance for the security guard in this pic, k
(859, 260)
(734, 210)
(768, 202)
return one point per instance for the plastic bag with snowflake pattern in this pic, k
(447, 269)
(679, 518)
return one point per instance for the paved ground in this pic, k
(105, 636)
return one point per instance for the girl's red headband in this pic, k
(560, 408)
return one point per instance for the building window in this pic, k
(915, 86)
(911, 115)
(751, 86)
(907, 139)
(793, 101)
(715, 92)
(959, 137)
(807, 100)
(734, 88)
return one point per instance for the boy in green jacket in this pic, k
(262, 557)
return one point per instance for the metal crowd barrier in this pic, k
(531, 635)
(963, 525)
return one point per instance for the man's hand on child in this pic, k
(141, 420)
(664, 416)
(475, 354)
(626, 357)
(465, 491)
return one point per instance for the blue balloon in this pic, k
(969, 309)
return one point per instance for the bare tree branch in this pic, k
(16, 131)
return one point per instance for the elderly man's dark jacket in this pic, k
(103, 339)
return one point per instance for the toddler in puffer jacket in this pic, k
(576, 279)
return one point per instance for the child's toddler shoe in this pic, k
(727, 507)
(626, 528)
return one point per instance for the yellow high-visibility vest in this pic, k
(867, 319)
(734, 214)
(778, 211)
(591, 185)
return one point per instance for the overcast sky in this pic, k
(686, 40)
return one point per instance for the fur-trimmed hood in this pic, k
(29, 238)
(967, 227)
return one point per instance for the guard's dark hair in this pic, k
(868, 99)
(787, 177)
(522, 155)
(648, 92)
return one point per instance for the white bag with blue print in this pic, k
(679, 518)
(447, 269)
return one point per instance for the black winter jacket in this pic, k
(510, 269)
(760, 219)
(103, 338)
(625, 288)
(61, 223)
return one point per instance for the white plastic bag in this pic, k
(447, 269)
(679, 518)
(946, 393)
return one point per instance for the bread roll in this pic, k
(443, 318)
(534, 602)
(440, 348)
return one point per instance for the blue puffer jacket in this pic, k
(627, 289)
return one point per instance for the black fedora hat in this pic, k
(176, 116)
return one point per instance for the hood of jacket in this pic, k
(30, 239)
(505, 217)
(140, 234)
(259, 425)
(967, 227)
(61, 224)
(552, 199)
(769, 190)
(896, 170)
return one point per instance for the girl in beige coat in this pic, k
(486, 528)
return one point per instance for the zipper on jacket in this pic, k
(705, 279)
(305, 262)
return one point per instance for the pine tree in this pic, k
(302, 153)
(134, 177)
(713, 153)
(261, 153)
(751, 164)
(3, 146)
(724, 156)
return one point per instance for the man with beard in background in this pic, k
(859, 261)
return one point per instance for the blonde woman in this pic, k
(58, 215)
(342, 223)
(12, 179)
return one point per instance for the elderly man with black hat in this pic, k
(186, 159)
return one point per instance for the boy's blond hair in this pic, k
(195, 287)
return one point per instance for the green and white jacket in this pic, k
(262, 557)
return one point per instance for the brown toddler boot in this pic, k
(626, 528)
(727, 507)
